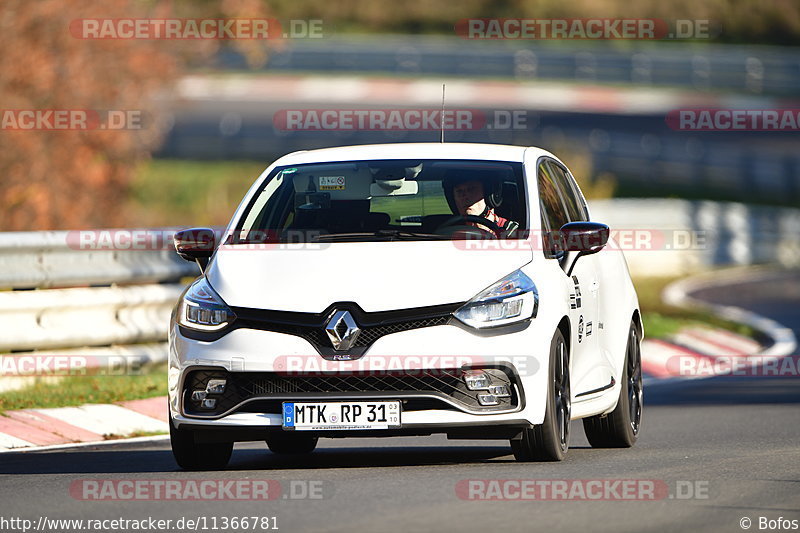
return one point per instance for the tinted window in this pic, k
(364, 200)
(554, 214)
(573, 203)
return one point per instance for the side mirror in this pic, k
(584, 237)
(196, 244)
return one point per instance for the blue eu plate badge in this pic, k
(288, 415)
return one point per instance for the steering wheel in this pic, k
(461, 220)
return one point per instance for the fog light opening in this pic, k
(215, 386)
(501, 391)
(209, 403)
(488, 399)
(476, 380)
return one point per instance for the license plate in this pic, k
(341, 415)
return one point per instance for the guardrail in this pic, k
(86, 299)
(688, 236)
(749, 69)
(130, 312)
(59, 259)
(61, 318)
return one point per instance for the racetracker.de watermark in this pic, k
(626, 240)
(583, 29)
(163, 239)
(398, 119)
(199, 489)
(41, 365)
(137, 240)
(196, 29)
(580, 489)
(399, 365)
(71, 119)
(734, 119)
(734, 366)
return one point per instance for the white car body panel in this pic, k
(382, 276)
(378, 276)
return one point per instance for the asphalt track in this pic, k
(731, 441)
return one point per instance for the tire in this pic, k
(193, 456)
(620, 428)
(550, 440)
(287, 442)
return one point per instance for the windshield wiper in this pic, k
(411, 235)
(382, 234)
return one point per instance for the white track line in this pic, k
(784, 341)
(10, 442)
(726, 340)
(106, 419)
(54, 447)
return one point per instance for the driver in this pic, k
(470, 199)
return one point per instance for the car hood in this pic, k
(378, 276)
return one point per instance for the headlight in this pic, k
(203, 309)
(512, 299)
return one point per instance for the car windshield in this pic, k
(357, 201)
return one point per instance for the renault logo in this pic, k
(342, 330)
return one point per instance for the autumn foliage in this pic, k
(56, 179)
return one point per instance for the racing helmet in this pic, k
(492, 186)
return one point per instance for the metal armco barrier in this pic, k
(112, 303)
(684, 236)
(749, 69)
(680, 236)
(63, 318)
(56, 259)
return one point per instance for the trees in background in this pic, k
(79, 178)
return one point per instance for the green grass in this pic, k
(662, 320)
(174, 192)
(114, 436)
(79, 390)
(429, 200)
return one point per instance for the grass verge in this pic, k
(662, 320)
(78, 390)
(177, 192)
(135, 434)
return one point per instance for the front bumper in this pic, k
(260, 360)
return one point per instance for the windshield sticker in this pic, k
(331, 183)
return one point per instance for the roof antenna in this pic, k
(441, 117)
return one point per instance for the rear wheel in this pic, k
(550, 440)
(620, 428)
(193, 456)
(291, 443)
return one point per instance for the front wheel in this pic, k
(191, 455)
(620, 428)
(550, 440)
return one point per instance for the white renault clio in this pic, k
(405, 289)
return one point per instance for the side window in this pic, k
(554, 214)
(568, 190)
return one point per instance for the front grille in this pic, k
(369, 335)
(444, 384)
(446, 381)
(373, 325)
